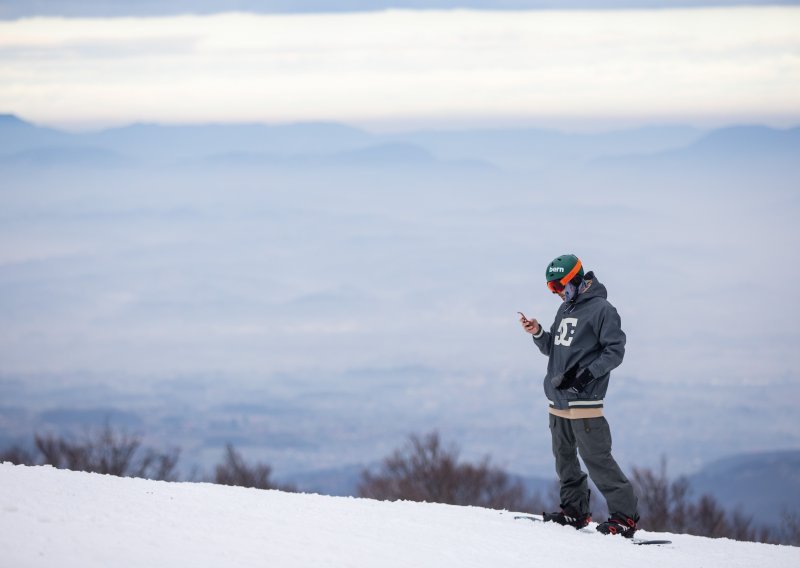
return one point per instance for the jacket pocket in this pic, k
(596, 390)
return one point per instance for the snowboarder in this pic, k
(583, 345)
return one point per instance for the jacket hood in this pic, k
(594, 289)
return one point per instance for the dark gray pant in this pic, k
(592, 438)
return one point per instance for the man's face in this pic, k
(557, 288)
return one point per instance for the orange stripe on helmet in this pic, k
(572, 273)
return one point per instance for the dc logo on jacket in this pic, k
(566, 331)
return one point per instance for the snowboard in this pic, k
(634, 540)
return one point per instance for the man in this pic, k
(583, 345)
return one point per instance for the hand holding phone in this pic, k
(530, 325)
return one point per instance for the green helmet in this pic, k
(566, 265)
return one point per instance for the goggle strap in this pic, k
(572, 273)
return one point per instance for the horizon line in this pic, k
(598, 124)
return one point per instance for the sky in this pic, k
(405, 69)
(12, 9)
(317, 275)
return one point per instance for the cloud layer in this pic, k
(407, 67)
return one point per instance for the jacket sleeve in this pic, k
(544, 341)
(612, 342)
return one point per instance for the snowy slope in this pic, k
(51, 517)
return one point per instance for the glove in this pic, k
(584, 378)
(566, 379)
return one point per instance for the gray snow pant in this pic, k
(592, 437)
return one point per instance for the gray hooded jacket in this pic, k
(586, 331)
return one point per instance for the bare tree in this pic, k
(707, 518)
(790, 529)
(18, 456)
(665, 506)
(662, 503)
(740, 526)
(235, 471)
(110, 452)
(424, 470)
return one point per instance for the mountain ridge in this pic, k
(523, 149)
(731, 480)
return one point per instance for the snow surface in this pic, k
(51, 517)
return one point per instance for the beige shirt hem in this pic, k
(577, 413)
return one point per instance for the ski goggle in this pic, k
(557, 286)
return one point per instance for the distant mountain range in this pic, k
(729, 147)
(765, 485)
(330, 144)
(106, 8)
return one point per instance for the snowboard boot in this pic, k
(619, 524)
(568, 516)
